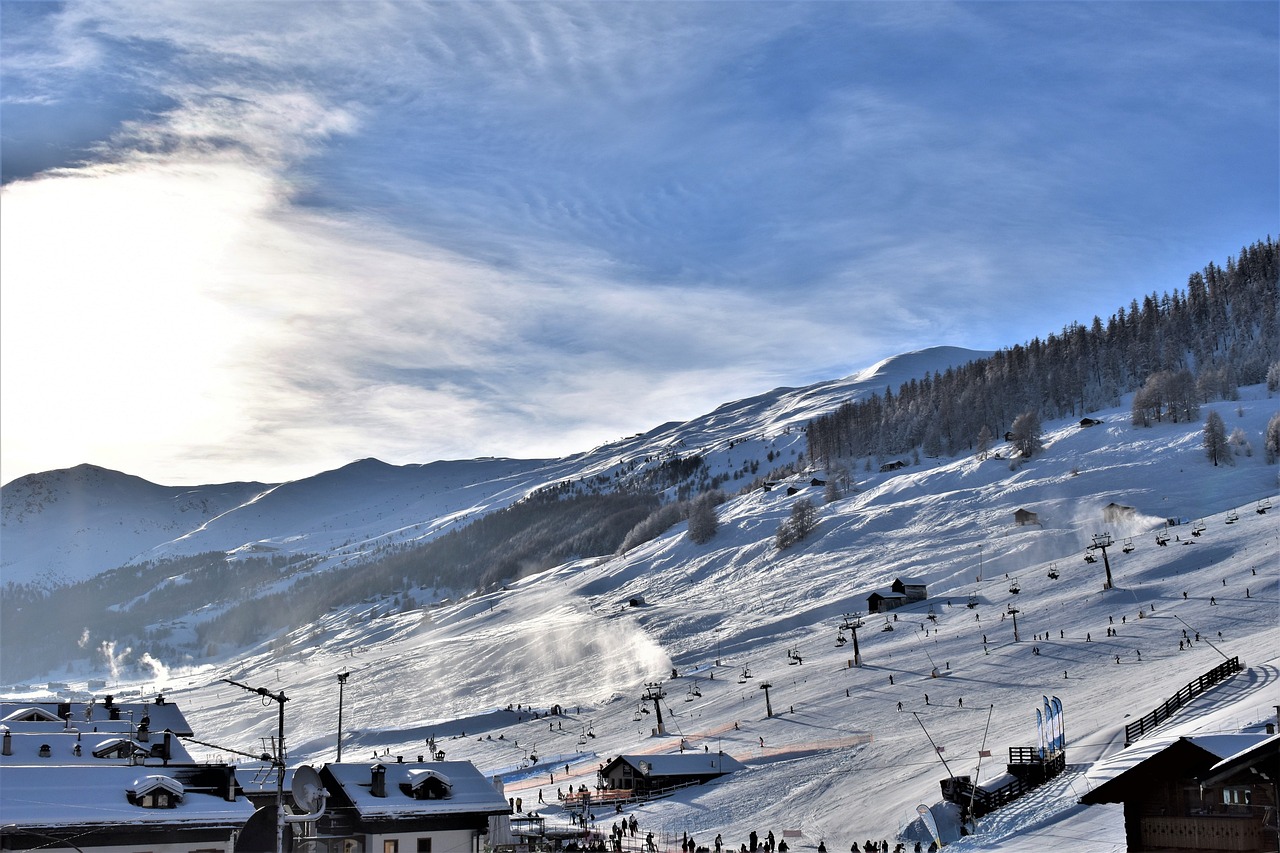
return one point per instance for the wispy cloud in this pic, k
(271, 237)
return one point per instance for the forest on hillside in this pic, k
(1221, 332)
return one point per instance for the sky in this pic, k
(258, 240)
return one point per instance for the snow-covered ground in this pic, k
(838, 761)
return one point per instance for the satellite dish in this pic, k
(306, 788)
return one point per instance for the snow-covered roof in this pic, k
(683, 763)
(144, 785)
(95, 796)
(1112, 768)
(96, 748)
(471, 792)
(1251, 756)
(160, 716)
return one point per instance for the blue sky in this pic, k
(256, 240)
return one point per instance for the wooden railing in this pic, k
(1146, 724)
(1030, 772)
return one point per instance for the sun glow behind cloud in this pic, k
(312, 232)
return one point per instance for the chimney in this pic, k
(8, 742)
(230, 779)
(1271, 729)
(144, 732)
(115, 711)
(168, 746)
(64, 710)
(109, 700)
(399, 759)
(378, 784)
(420, 759)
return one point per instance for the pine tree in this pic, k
(1271, 440)
(1026, 431)
(703, 523)
(1215, 439)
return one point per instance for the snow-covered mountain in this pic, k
(838, 761)
(63, 526)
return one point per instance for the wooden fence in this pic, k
(1147, 724)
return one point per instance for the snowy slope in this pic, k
(838, 762)
(67, 525)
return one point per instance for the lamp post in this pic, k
(342, 682)
(1100, 542)
(1013, 611)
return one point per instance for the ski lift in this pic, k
(693, 693)
(1232, 517)
(1162, 538)
(888, 626)
(1089, 558)
(1128, 545)
(1053, 571)
(637, 716)
(973, 600)
(1263, 506)
(1198, 528)
(1014, 587)
(746, 673)
(840, 640)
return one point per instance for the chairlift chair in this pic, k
(1089, 558)
(1198, 528)
(1232, 517)
(1162, 538)
(1263, 506)
(973, 601)
(1128, 545)
(1014, 587)
(1053, 571)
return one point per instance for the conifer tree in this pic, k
(1215, 439)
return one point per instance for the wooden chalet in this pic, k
(884, 600)
(1169, 805)
(1114, 512)
(648, 775)
(1023, 517)
(914, 589)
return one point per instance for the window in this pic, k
(424, 845)
(1237, 796)
(390, 845)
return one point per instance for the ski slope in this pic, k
(838, 762)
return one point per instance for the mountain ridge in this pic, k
(365, 500)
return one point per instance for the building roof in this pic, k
(682, 763)
(97, 749)
(471, 791)
(161, 715)
(87, 797)
(912, 581)
(887, 593)
(1124, 768)
(1265, 755)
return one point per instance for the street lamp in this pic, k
(342, 682)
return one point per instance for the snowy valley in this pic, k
(840, 760)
